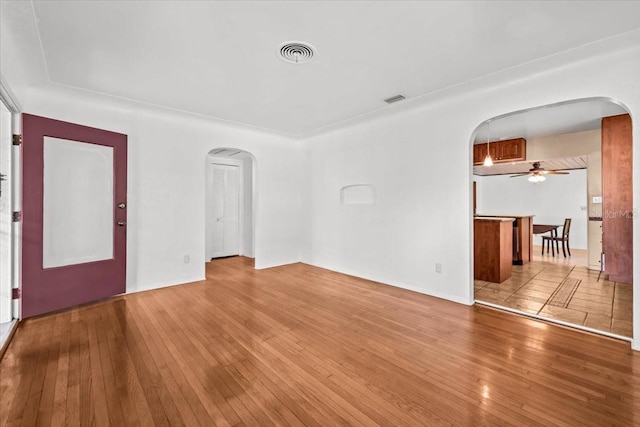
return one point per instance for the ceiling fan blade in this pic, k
(519, 174)
(557, 173)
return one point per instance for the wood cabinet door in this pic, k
(479, 153)
(512, 149)
(495, 150)
(500, 151)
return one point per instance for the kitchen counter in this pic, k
(522, 246)
(492, 248)
(494, 218)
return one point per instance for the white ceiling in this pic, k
(565, 164)
(218, 59)
(567, 117)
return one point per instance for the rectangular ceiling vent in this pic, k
(395, 98)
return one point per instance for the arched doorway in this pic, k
(230, 203)
(585, 138)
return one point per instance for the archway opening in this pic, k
(569, 161)
(230, 203)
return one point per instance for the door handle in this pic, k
(122, 223)
(121, 205)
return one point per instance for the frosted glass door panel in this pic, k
(78, 203)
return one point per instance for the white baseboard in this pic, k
(272, 265)
(409, 287)
(159, 285)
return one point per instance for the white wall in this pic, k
(166, 183)
(6, 208)
(421, 179)
(573, 144)
(247, 208)
(420, 163)
(557, 198)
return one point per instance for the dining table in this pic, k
(553, 232)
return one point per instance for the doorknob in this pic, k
(121, 205)
(122, 223)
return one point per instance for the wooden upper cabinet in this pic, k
(479, 153)
(510, 150)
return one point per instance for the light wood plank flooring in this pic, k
(562, 288)
(299, 345)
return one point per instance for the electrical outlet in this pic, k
(438, 267)
(597, 199)
(187, 259)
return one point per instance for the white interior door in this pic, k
(5, 214)
(223, 211)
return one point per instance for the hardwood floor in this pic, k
(299, 345)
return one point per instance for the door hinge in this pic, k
(15, 293)
(16, 216)
(17, 139)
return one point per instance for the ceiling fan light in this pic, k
(488, 161)
(536, 178)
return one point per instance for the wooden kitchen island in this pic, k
(492, 248)
(522, 247)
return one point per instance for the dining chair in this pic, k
(564, 238)
(548, 242)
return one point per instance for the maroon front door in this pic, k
(73, 214)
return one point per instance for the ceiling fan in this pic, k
(537, 173)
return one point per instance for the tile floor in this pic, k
(563, 289)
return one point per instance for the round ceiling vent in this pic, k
(296, 52)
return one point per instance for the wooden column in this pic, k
(474, 197)
(617, 198)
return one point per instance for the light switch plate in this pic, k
(597, 199)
